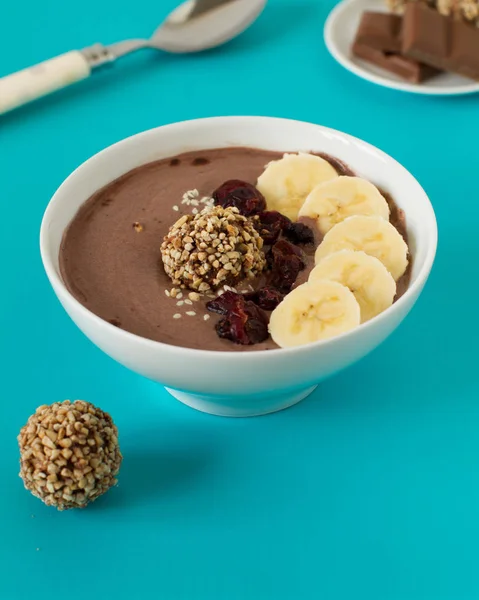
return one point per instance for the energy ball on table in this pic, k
(69, 453)
(216, 247)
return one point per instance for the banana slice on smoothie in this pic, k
(334, 201)
(285, 183)
(372, 235)
(368, 279)
(316, 310)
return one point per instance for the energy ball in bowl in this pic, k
(69, 454)
(215, 247)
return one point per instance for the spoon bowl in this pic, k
(193, 26)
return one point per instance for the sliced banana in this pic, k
(372, 284)
(331, 202)
(285, 183)
(372, 235)
(316, 310)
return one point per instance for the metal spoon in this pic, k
(194, 26)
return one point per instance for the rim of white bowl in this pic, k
(60, 288)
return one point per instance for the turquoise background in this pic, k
(367, 490)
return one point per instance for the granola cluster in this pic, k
(215, 247)
(69, 453)
(466, 10)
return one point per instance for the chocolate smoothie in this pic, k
(110, 257)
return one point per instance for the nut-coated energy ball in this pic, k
(69, 453)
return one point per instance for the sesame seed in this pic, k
(180, 303)
(206, 317)
(195, 211)
(190, 195)
(190, 313)
(175, 208)
(167, 293)
(177, 316)
(179, 295)
(188, 302)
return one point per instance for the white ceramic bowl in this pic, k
(247, 383)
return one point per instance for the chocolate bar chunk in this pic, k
(378, 40)
(440, 41)
(381, 31)
(410, 70)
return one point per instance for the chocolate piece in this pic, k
(406, 68)
(440, 41)
(381, 31)
(464, 57)
(378, 40)
(426, 34)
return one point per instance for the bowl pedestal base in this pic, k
(249, 406)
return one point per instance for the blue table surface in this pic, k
(367, 490)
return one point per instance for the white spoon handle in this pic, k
(42, 79)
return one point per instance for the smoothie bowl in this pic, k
(239, 261)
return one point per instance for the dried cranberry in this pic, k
(286, 264)
(283, 249)
(299, 233)
(270, 225)
(266, 298)
(284, 274)
(241, 195)
(246, 325)
(225, 303)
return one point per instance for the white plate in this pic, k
(339, 32)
